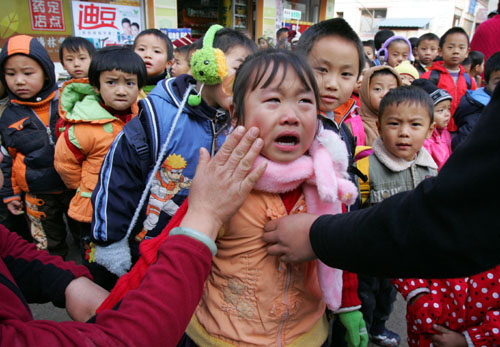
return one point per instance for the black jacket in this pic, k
(447, 227)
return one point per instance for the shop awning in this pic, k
(404, 23)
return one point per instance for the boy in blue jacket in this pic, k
(203, 122)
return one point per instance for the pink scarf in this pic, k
(325, 182)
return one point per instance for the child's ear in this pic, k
(231, 110)
(169, 63)
(431, 129)
(378, 126)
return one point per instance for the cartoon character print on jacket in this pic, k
(167, 183)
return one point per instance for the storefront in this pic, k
(111, 22)
(255, 17)
(104, 23)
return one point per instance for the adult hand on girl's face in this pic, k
(222, 184)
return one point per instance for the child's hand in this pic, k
(447, 338)
(15, 207)
(422, 313)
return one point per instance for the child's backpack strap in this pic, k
(136, 137)
(434, 76)
(363, 165)
(467, 80)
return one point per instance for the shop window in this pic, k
(370, 17)
(309, 9)
(198, 15)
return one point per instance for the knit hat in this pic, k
(407, 68)
(437, 95)
(183, 41)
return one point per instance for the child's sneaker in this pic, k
(386, 338)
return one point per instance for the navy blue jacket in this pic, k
(467, 114)
(132, 155)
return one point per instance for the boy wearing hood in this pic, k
(95, 109)
(27, 128)
(377, 81)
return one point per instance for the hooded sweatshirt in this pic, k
(79, 153)
(369, 115)
(27, 128)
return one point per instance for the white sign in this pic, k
(106, 24)
(291, 14)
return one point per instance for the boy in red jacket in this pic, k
(448, 74)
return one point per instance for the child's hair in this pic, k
(117, 58)
(183, 49)
(251, 73)
(427, 37)
(454, 30)
(407, 94)
(74, 44)
(369, 43)
(467, 61)
(227, 38)
(476, 58)
(281, 31)
(134, 24)
(331, 27)
(491, 65)
(161, 35)
(413, 41)
(384, 72)
(381, 36)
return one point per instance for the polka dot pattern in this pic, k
(469, 304)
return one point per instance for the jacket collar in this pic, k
(397, 164)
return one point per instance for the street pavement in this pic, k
(396, 323)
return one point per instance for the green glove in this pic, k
(356, 335)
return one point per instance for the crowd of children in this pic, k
(111, 154)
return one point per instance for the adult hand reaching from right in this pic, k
(289, 237)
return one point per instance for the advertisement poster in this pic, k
(176, 33)
(106, 24)
(49, 21)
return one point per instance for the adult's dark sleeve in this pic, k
(449, 226)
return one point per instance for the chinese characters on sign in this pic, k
(47, 15)
(106, 24)
(94, 17)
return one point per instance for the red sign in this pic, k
(93, 16)
(47, 15)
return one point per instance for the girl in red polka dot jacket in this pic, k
(453, 312)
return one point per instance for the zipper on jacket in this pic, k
(279, 341)
(47, 128)
(215, 133)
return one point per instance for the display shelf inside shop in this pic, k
(198, 24)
